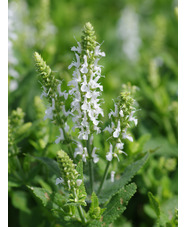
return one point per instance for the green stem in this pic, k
(104, 177)
(70, 151)
(80, 209)
(91, 172)
(81, 214)
(91, 176)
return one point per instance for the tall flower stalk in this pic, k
(85, 91)
(120, 121)
(85, 113)
(85, 88)
(55, 111)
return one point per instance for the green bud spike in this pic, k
(88, 39)
(17, 117)
(126, 103)
(68, 171)
(41, 65)
(47, 77)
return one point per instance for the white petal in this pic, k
(121, 113)
(57, 140)
(89, 94)
(119, 145)
(126, 136)
(78, 49)
(66, 127)
(109, 129)
(116, 134)
(109, 156)
(98, 52)
(78, 182)
(96, 159)
(61, 137)
(59, 180)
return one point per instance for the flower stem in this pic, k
(91, 176)
(104, 177)
(91, 172)
(80, 210)
(81, 214)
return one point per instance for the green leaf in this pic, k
(118, 203)
(48, 199)
(154, 203)
(95, 211)
(95, 223)
(94, 200)
(19, 200)
(129, 172)
(51, 164)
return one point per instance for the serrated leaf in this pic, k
(129, 172)
(118, 203)
(95, 211)
(154, 203)
(95, 223)
(51, 164)
(94, 201)
(48, 199)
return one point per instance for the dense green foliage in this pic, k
(51, 28)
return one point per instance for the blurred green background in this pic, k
(140, 39)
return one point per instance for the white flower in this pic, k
(44, 92)
(131, 118)
(59, 180)
(115, 113)
(112, 176)
(84, 86)
(109, 129)
(97, 52)
(127, 136)
(66, 113)
(64, 93)
(84, 68)
(117, 131)
(78, 49)
(94, 155)
(78, 182)
(121, 113)
(109, 154)
(93, 83)
(85, 105)
(66, 128)
(76, 64)
(80, 150)
(49, 111)
(83, 134)
(61, 137)
(97, 67)
(119, 147)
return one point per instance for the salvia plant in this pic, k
(80, 198)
